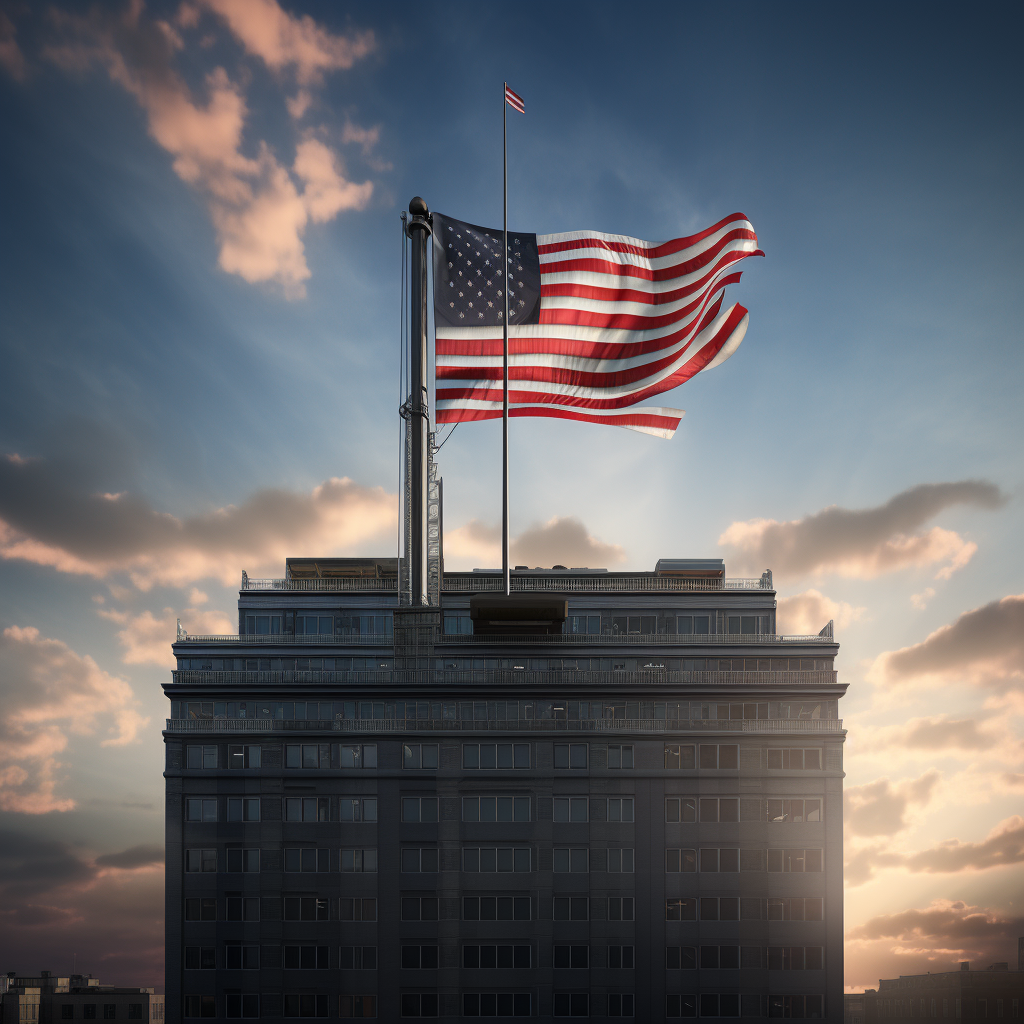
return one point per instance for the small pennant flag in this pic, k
(514, 101)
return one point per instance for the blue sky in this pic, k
(200, 283)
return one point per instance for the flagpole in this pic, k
(504, 334)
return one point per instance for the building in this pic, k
(47, 997)
(995, 993)
(611, 794)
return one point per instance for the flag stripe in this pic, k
(515, 101)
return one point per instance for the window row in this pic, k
(91, 1011)
(732, 859)
(744, 908)
(582, 808)
(775, 958)
(731, 1004)
(295, 908)
(691, 809)
(348, 624)
(726, 756)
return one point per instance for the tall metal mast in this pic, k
(505, 568)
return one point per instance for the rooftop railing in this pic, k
(597, 725)
(503, 677)
(557, 639)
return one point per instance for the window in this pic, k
(201, 908)
(419, 1004)
(570, 755)
(419, 958)
(307, 1006)
(744, 624)
(419, 908)
(681, 958)
(496, 755)
(693, 623)
(134, 1011)
(458, 624)
(795, 810)
(504, 957)
(503, 858)
(584, 624)
(496, 908)
(239, 860)
(719, 755)
(620, 755)
(263, 624)
(751, 860)
(200, 958)
(357, 755)
(571, 808)
(684, 1005)
(419, 808)
(307, 755)
(796, 1006)
(195, 1006)
(351, 809)
(357, 958)
(795, 908)
(620, 808)
(243, 808)
(571, 860)
(419, 859)
(241, 958)
(680, 755)
(620, 860)
(306, 625)
(201, 757)
(620, 957)
(357, 909)
(794, 860)
(201, 810)
(200, 860)
(680, 860)
(620, 908)
(307, 958)
(359, 860)
(680, 808)
(571, 1004)
(242, 908)
(726, 808)
(240, 756)
(419, 755)
(496, 808)
(307, 908)
(796, 958)
(571, 908)
(497, 1004)
(620, 1005)
(725, 1005)
(803, 759)
(725, 958)
(727, 859)
(239, 1005)
(571, 957)
(681, 909)
(719, 908)
(89, 1011)
(308, 859)
(357, 1006)
(308, 808)
(67, 1011)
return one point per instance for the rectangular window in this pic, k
(359, 860)
(680, 808)
(795, 908)
(620, 860)
(308, 859)
(241, 958)
(719, 908)
(242, 908)
(719, 958)
(571, 957)
(693, 624)
(566, 860)
(571, 755)
(308, 908)
(620, 957)
(496, 755)
(720, 755)
(683, 1005)
(571, 908)
(725, 808)
(502, 858)
(357, 909)
(620, 1005)
(357, 1006)
(419, 908)
(419, 808)
(680, 755)
(751, 860)
(195, 1006)
(795, 810)
(307, 958)
(67, 1011)
(418, 859)
(241, 1005)
(357, 755)
(314, 808)
(496, 808)
(419, 755)
(497, 1004)
(571, 808)
(307, 1006)
(307, 755)
(620, 808)
(134, 1011)
(243, 756)
(727, 859)
(352, 809)
(200, 958)
(681, 958)
(571, 1004)
(201, 908)
(357, 958)
(805, 759)
(243, 808)
(496, 908)
(504, 957)
(201, 810)
(307, 625)
(681, 909)
(419, 958)
(200, 860)
(794, 860)
(680, 860)
(796, 1006)
(243, 861)
(620, 908)
(620, 755)
(201, 756)
(796, 958)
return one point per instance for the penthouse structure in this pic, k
(604, 795)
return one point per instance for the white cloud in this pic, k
(805, 614)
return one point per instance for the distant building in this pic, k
(46, 997)
(996, 993)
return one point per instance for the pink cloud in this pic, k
(147, 639)
(805, 614)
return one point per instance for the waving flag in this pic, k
(597, 322)
(514, 100)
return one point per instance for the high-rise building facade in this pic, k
(610, 795)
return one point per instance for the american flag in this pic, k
(514, 100)
(597, 322)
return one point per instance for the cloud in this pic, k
(805, 614)
(983, 646)
(49, 693)
(920, 601)
(147, 639)
(257, 207)
(880, 807)
(50, 517)
(864, 543)
(132, 858)
(474, 545)
(1003, 845)
(12, 60)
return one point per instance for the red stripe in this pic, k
(586, 291)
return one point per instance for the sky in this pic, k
(200, 294)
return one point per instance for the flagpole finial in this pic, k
(417, 207)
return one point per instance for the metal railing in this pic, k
(596, 725)
(502, 677)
